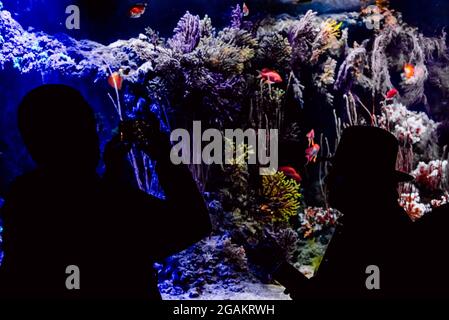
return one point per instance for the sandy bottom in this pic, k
(251, 291)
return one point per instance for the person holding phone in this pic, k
(64, 214)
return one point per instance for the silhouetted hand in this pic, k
(115, 152)
(147, 136)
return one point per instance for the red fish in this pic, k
(291, 173)
(245, 10)
(391, 94)
(270, 76)
(311, 136)
(409, 71)
(137, 10)
(312, 153)
(115, 80)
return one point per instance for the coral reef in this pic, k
(411, 128)
(282, 197)
(210, 262)
(411, 202)
(431, 175)
(201, 73)
(317, 220)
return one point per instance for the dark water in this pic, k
(107, 20)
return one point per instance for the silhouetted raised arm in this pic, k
(182, 218)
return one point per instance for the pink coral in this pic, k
(411, 202)
(430, 175)
(316, 219)
(444, 199)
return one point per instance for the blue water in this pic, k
(107, 20)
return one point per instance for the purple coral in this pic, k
(237, 17)
(187, 34)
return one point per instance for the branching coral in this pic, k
(326, 79)
(237, 17)
(431, 175)
(186, 34)
(315, 220)
(411, 202)
(409, 127)
(287, 239)
(281, 197)
(302, 35)
(379, 62)
(352, 69)
(327, 38)
(266, 111)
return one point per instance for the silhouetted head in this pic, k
(364, 169)
(59, 130)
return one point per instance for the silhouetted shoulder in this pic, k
(434, 221)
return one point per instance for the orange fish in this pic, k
(115, 80)
(312, 153)
(311, 136)
(409, 71)
(291, 173)
(270, 76)
(245, 10)
(137, 10)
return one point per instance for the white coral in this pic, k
(430, 175)
(409, 127)
(411, 202)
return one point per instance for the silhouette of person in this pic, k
(430, 249)
(64, 214)
(374, 230)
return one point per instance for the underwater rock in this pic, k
(194, 293)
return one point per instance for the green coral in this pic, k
(281, 197)
(311, 253)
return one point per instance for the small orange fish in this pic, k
(312, 153)
(115, 80)
(245, 10)
(311, 136)
(137, 10)
(409, 71)
(270, 76)
(291, 173)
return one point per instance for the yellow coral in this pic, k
(332, 28)
(241, 152)
(383, 4)
(327, 38)
(281, 197)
